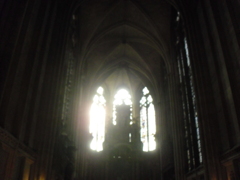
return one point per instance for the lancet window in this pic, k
(147, 121)
(188, 95)
(97, 120)
(122, 97)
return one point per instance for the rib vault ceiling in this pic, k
(124, 42)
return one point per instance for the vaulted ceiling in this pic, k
(124, 42)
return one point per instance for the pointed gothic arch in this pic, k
(97, 120)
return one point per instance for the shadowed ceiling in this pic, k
(124, 42)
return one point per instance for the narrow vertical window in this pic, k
(188, 95)
(148, 122)
(97, 120)
(194, 102)
(122, 97)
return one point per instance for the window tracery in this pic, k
(97, 120)
(122, 97)
(147, 120)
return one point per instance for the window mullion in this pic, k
(147, 123)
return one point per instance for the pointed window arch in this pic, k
(97, 120)
(122, 97)
(147, 120)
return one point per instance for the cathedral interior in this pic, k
(119, 90)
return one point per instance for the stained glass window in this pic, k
(148, 122)
(122, 97)
(97, 120)
(192, 91)
(189, 101)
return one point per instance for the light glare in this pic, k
(97, 121)
(121, 97)
(147, 119)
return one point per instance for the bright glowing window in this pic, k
(121, 97)
(148, 122)
(97, 120)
